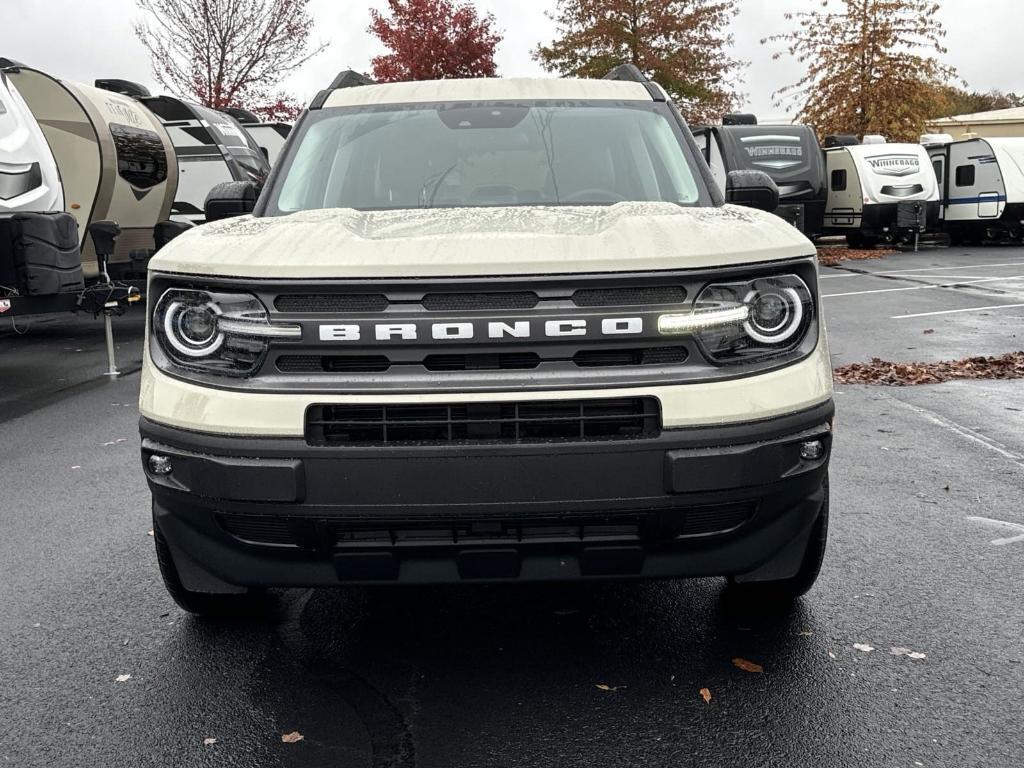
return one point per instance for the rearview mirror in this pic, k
(753, 189)
(230, 198)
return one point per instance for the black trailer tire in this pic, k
(785, 591)
(198, 603)
(858, 240)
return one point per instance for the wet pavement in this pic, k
(923, 555)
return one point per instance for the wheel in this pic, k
(199, 603)
(858, 240)
(787, 590)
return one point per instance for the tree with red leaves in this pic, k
(228, 53)
(434, 40)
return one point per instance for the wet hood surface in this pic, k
(340, 243)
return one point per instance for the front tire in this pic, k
(784, 591)
(198, 603)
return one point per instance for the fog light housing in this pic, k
(160, 465)
(812, 450)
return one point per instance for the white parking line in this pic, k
(1002, 524)
(925, 287)
(926, 269)
(955, 311)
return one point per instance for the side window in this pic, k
(838, 180)
(141, 159)
(938, 167)
(965, 175)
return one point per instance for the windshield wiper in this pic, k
(436, 180)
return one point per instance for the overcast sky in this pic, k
(85, 39)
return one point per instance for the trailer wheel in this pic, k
(198, 603)
(785, 591)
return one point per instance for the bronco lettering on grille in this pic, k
(465, 330)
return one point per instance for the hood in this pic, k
(478, 242)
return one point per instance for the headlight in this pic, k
(211, 332)
(743, 321)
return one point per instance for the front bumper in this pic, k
(728, 500)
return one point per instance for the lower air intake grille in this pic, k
(529, 421)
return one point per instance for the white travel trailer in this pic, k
(981, 185)
(211, 148)
(29, 179)
(115, 161)
(270, 137)
(879, 192)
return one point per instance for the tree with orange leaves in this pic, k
(871, 66)
(680, 44)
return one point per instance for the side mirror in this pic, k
(754, 189)
(230, 198)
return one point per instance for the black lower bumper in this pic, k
(729, 500)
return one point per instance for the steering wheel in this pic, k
(593, 195)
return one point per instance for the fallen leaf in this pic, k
(292, 738)
(706, 695)
(747, 666)
(864, 647)
(831, 655)
(149, 532)
(878, 371)
(123, 678)
(834, 255)
(208, 741)
(805, 634)
(898, 651)
(929, 330)
(604, 687)
(77, 466)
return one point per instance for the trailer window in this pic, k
(141, 157)
(965, 175)
(939, 168)
(839, 180)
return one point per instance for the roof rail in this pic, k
(347, 79)
(124, 87)
(350, 79)
(631, 73)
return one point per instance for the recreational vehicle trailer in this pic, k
(115, 160)
(211, 148)
(879, 192)
(29, 179)
(981, 186)
(270, 137)
(790, 154)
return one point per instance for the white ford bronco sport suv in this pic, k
(487, 330)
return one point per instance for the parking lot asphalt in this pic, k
(926, 553)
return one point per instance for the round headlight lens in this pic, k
(191, 329)
(776, 314)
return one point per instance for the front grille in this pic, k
(528, 421)
(333, 363)
(459, 302)
(600, 358)
(331, 302)
(363, 532)
(618, 297)
(502, 361)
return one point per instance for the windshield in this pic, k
(497, 154)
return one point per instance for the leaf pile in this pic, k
(833, 256)
(878, 371)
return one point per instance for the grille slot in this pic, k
(615, 297)
(529, 421)
(501, 361)
(333, 363)
(259, 529)
(457, 302)
(603, 358)
(331, 302)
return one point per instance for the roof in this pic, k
(488, 89)
(1012, 115)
